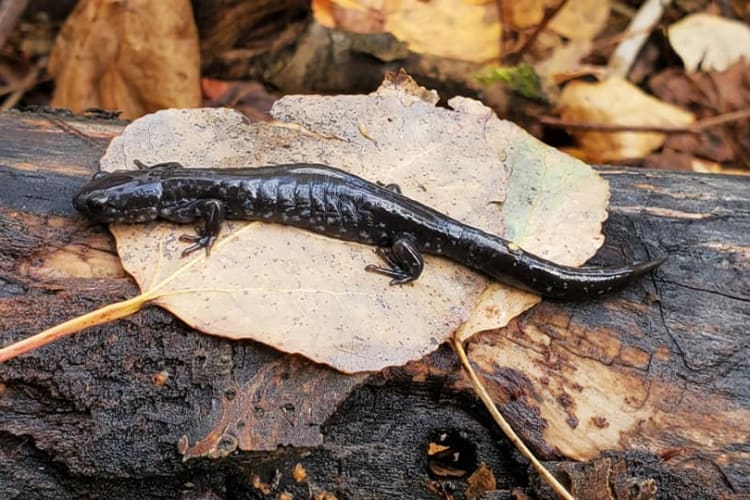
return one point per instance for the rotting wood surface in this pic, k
(103, 412)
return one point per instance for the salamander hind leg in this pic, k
(405, 262)
(212, 212)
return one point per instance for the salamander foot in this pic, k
(405, 262)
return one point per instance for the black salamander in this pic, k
(338, 204)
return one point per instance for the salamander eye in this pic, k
(99, 175)
(96, 202)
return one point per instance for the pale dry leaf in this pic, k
(135, 57)
(709, 42)
(542, 182)
(306, 293)
(564, 64)
(581, 19)
(522, 15)
(446, 28)
(472, 24)
(617, 101)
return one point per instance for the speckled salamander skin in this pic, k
(340, 205)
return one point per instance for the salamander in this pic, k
(340, 205)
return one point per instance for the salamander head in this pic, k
(123, 196)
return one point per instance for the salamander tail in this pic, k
(641, 268)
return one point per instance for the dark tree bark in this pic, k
(146, 407)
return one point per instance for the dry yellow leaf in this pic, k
(581, 19)
(136, 57)
(466, 30)
(447, 28)
(617, 101)
(526, 14)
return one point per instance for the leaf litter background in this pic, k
(305, 293)
(145, 57)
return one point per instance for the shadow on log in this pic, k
(643, 394)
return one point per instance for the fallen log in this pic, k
(642, 394)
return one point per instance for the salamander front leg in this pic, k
(405, 262)
(212, 212)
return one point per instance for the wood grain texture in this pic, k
(102, 413)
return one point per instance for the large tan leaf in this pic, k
(306, 293)
(135, 56)
(455, 29)
(617, 101)
(542, 183)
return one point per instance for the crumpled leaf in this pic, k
(707, 94)
(136, 56)
(303, 292)
(709, 42)
(617, 101)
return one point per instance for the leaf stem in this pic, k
(97, 317)
(504, 425)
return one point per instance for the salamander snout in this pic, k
(121, 196)
(94, 205)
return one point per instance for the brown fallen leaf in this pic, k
(709, 94)
(249, 98)
(299, 473)
(480, 482)
(136, 57)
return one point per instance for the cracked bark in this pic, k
(101, 413)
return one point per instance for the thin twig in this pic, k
(548, 16)
(504, 425)
(721, 119)
(551, 121)
(67, 127)
(10, 13)
(695, 128)
(31, 79)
